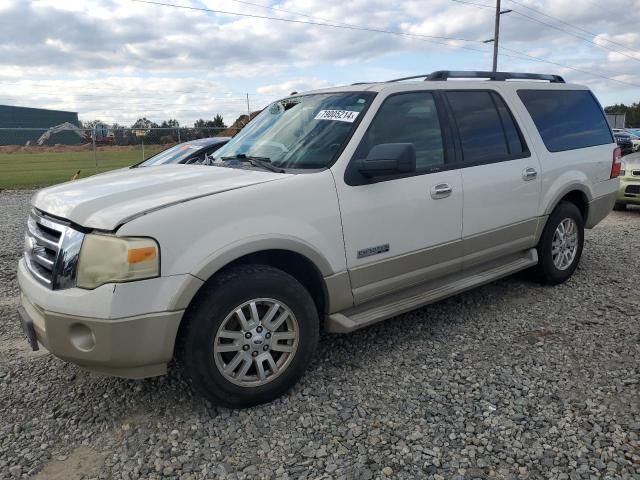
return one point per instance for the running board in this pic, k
(415, 297)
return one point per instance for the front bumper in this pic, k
(625, 194)
(134, 346)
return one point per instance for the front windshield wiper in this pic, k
(260, 162)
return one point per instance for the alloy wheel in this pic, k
(256, 342)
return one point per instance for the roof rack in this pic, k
(441, 75)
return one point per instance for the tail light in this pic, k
(616, 165)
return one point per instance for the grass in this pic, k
(39, 169)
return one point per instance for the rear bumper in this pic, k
(627, 197)
(599, 208)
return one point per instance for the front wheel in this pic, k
(560, 246)
(249, 336)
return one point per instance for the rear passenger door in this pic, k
(500, 177)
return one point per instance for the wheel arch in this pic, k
(330, 291)
(578, 194)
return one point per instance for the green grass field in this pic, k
(39, 169)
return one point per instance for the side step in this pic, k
(395, 304)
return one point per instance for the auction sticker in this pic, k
(339, 115)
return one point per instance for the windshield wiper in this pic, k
(260, 162)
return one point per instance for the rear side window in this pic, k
(487, 130)
(567, 119)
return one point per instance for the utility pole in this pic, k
(496, 35)
(248, 109)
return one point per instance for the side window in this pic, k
(567, 119)
(487, 130)
(407, 118)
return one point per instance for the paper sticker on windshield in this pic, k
(339, 115)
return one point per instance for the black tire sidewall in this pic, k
(218, 298)
(547, 271)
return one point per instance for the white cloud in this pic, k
(119, 59)
(296, 85)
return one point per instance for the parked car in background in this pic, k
(634, 137)
(629, 192)
(191, 152)
(623, 139)
(333, 210)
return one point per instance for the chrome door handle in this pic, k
(441, 190)
(529, 174)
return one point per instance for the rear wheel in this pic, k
(619, 206)
(560, 246)
(250, 336)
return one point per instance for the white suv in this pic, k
(333, 209)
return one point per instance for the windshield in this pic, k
(175, 154)
(304, 132)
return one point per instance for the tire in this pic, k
(619, 206)
(548, 271)
(206, 349)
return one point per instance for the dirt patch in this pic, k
(18, 347)
(78, 464)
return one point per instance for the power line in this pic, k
(290, 20)
(570, 67)
(549, 25)
(575, 35)
(559, 20)
(427, 38)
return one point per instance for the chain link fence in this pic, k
(44, 156)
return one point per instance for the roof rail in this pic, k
(441, 75)
(497, 76)
(409, 78)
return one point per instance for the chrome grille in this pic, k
(51, 250)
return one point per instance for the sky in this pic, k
(119, 60)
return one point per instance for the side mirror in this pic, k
(389, 159)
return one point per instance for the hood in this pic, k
(108, 200)
(631, 161)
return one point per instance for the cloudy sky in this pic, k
(118, 60)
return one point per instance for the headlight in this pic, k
(108, 259)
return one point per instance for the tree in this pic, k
(89, 124)
(632, 112)
(144, 124)
(208, 128)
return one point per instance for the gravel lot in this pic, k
(512, 380)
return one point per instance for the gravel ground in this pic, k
(512, 380)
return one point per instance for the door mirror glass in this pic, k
(389, 159)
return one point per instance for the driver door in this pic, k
(406, 229)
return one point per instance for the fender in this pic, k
(581, 187)
(227, 254)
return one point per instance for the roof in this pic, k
(41, 109)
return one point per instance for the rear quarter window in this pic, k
(567, 119)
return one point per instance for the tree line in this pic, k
(632, 112)
(170, 131)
